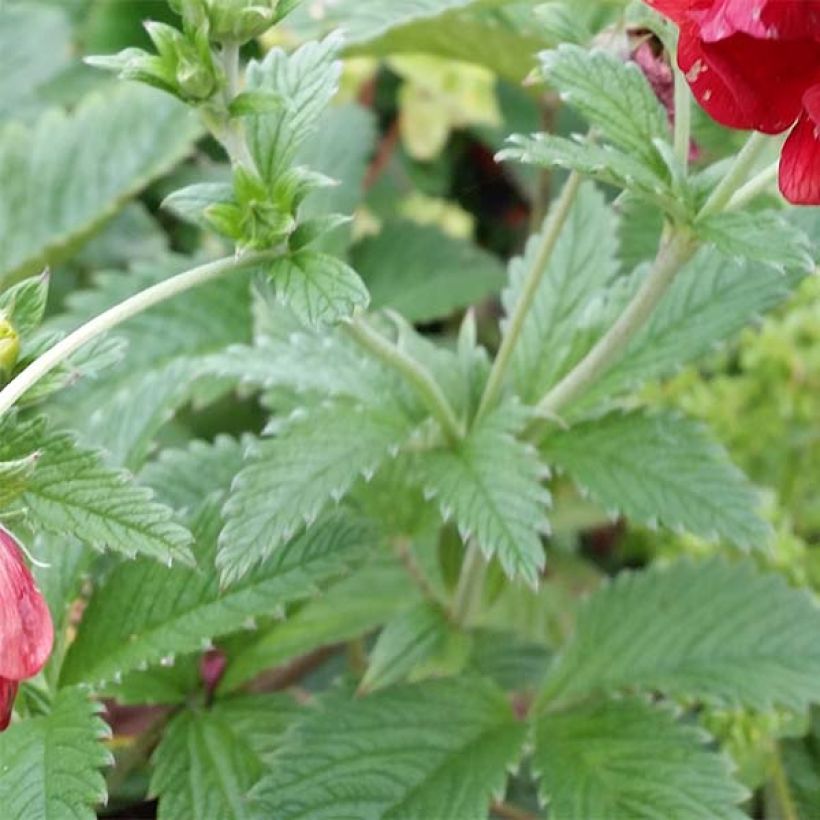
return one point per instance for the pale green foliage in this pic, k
(356, 604)
(423, 273)
(708, 631)
(318, 288)
(307, 80)
(579, 271)
(408, 639)
(763, 236)
(613, 96)
(49, 764)
(209, 759)
(429, 745)
(75, 171)
(490, 485)
(660, 469)
(710, 301)
(145, 614)
(72, 492)
(312, 460)
(14, 476)
(627, 758)
(35, 45)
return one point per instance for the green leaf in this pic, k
(408, 640)
(183, 479)
(602, 163)
(349, 608)
(762, 236)
(145, 614)
(428, 746)
(711, 300)
(71, 492)
(423, 273)
(709, 631)
(292, 477)
(626, 758)
(25, 303)
(188, 203)
(207, 762)
(15, 476)
(491, 486)
(307, 79)
(167, 346)
(801, 759)
(49, 765)
(661, 469)
(76, 171)
(318, 288)
(613, 95)
(35, 45)
(581, 267)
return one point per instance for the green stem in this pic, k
(413, 372)
(674, 254)
(470, 584)
(552, 231)
(683, 118)
(780, 789)
(230, 132)
(758, 184)
(736, 175)
(118, 314)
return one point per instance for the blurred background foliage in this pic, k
(423, 108)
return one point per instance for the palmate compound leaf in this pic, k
(613, 759)
(72, 492)
(311, 461)
(490, 485)
(413, 751)
(64, 177)
(49, 765)
(208, 760)
(581, 267)
(708, 631)
(145, 614)
(660, 468)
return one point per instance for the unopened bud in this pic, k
(237, 21)
(9, 347)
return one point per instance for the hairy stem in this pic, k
(230, 131)
(683, 118)
(758, 184)
(736, 176)
(780, 789)
(674, 254)
(470, 583)
(414, 373)
(552, 231)
(118, 314)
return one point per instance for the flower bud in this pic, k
(9, 346)
(237, 21)
(26, 629)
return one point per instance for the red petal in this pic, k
(793, 18)
(26, 630)
(673, 9)
(800, 161)
(8, 691)
(743, 82)
(762, 19)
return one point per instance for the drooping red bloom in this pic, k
(755, 64)
(26, 630)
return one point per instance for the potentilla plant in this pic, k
(405, 496)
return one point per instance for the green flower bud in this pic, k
(9, 346)
(237, 21)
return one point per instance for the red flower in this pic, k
(755, 64)
(26, 630)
